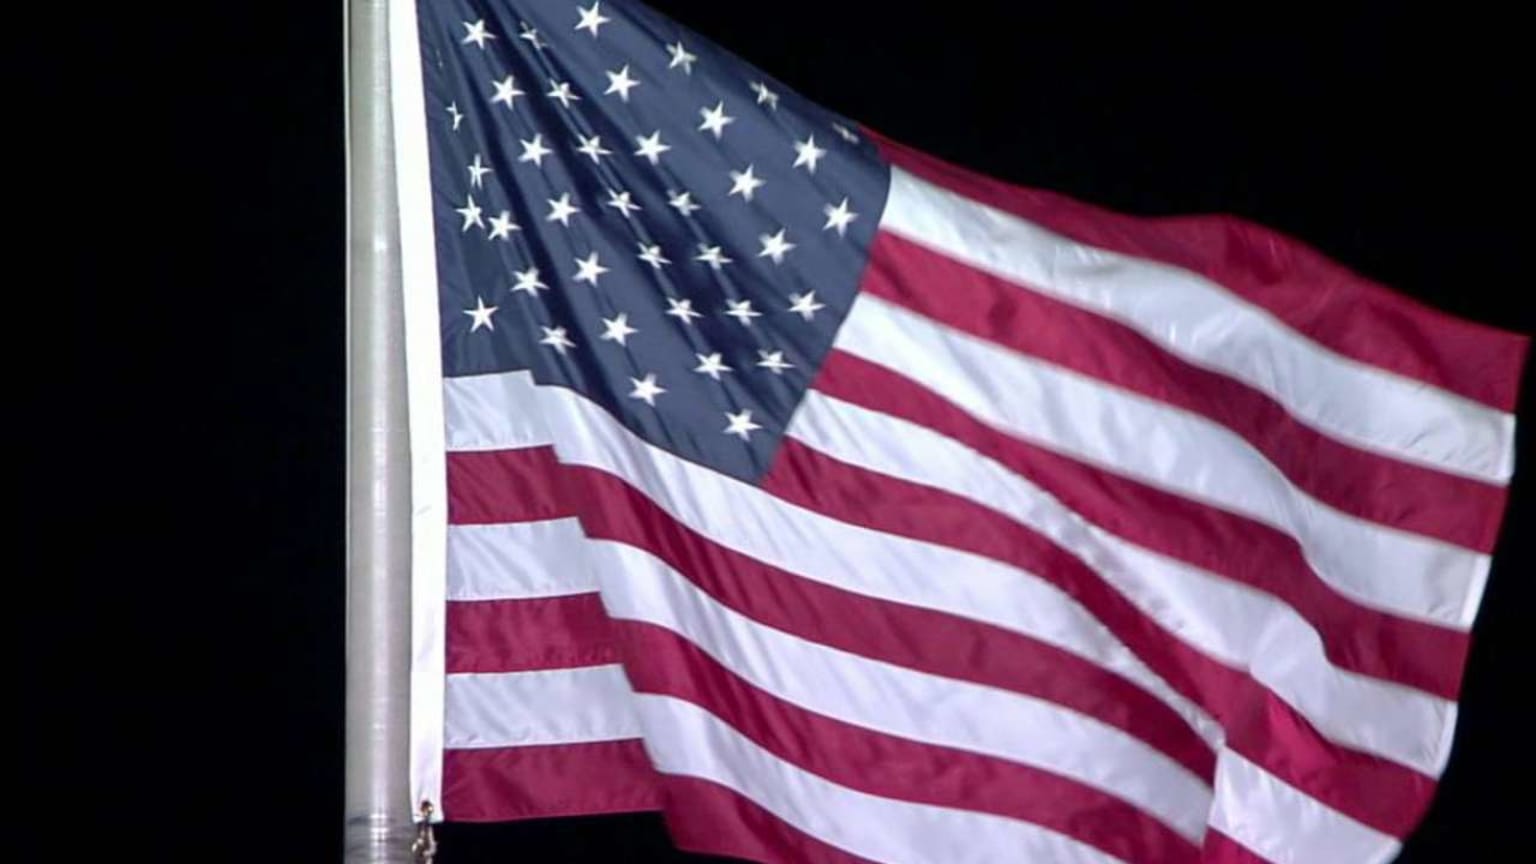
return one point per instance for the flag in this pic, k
(847, 505)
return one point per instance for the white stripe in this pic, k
(1202, 322)
(478, 416)
(684, 739)
(1286, 826)
(746, 519)
(517, 560)
(546, 706)
(423, 362)
(1126, 433)
(1227, 621)
(903, 702)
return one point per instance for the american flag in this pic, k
(847, 505)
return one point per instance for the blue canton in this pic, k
(626, 210)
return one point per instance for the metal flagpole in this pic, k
(378, 823)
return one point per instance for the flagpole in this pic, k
(378, 825)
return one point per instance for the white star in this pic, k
(477, 34)
(591, 19)
(807, 153)
(502, 226)
(741, 424)
(477, 172)
(775, 246)
(646, 389)
(593, 147)
(562, 92)
(711, 365)
(652, 255)
(715, 119)
(506, 91)
(561, 210)
(482, 315)
(534, 151)
(682, 202)
(471, 213)
(845, 132)
(588, 269)
(765, 95)
(681, 57)
(806, 305)
(839, 217)
(458, 116)
(617, 329)
(712, 256)
(620, 202)
(773, 361)
(619, 82)
(651, 147)
(742, 311)
(555, 338)
(682, 310)
(532, 36)
(744, 183)
(528, 280)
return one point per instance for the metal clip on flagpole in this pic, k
(378, 825)
(425, 847)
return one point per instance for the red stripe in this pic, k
(910, 636)
(494, 487)
(524, 635)
(1221, 849)
(507, 783)
(1334, 307)
(1368, 641)
(664, 662)
(1410, 497)
(706, 817)
(1258, 724)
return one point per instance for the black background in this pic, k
(180, 261)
